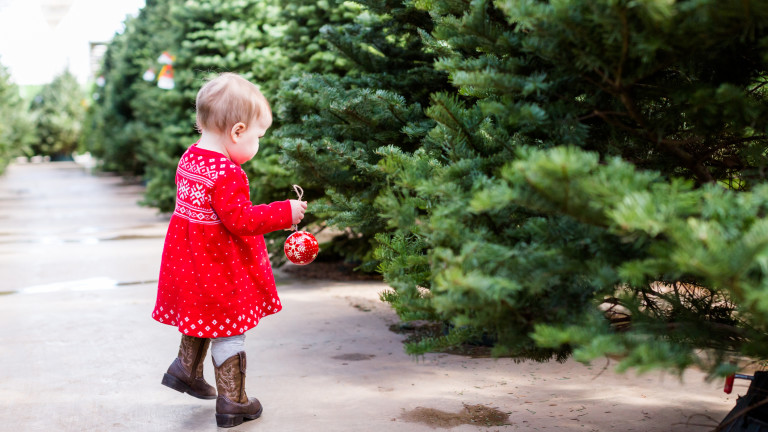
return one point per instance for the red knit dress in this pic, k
(215, 276)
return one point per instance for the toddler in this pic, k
(216, 281)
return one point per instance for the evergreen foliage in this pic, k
(57, 114)
(335, 123)
(552, 178)
(594, 186)
(126, 121)
(291, 46)
(280, 46)
(137, 128)
(16, 127)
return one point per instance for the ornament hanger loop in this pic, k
(300, 192)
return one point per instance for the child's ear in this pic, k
(236, 131)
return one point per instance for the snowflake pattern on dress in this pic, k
(195, 176)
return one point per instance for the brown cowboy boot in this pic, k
(233, 406)
(186, 372)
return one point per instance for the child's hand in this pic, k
(297, 211)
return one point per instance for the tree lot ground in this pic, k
(79, 259)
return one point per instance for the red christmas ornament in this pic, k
(301, 248)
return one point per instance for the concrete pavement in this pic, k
(80, 352)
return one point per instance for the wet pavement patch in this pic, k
(418, 331)
(478, 415)
(140, 282)
(52, 240)
(362, 308)
(134, 237)
(354, 357)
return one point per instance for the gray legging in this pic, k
(225, 347)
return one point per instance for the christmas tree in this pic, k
(125, 122)
(136, 127)
(16, 130)
(295, 47)
(57, 113)
(595, 184)
(336, 122)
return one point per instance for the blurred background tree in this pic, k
(58, 110)
(137, 128)
(129, 114)
(16, 129)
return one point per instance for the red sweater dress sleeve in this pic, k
(231, 201)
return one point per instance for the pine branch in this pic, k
(602, 114)
(392, 110)
(670, 146)
(465, 133)
(624, 46)
(757, 87)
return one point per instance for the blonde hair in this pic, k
(226, 100)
